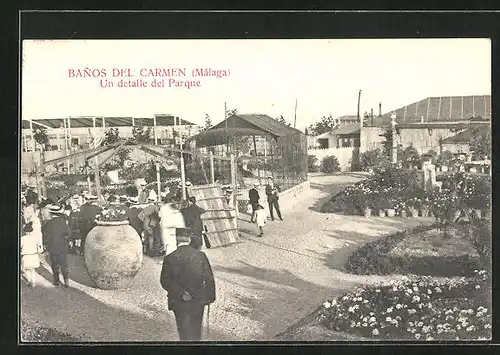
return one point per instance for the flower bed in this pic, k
(380, 258)
(112, 213)
(417, 308)
(400, 189)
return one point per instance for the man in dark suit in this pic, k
(253, 196)
(88, 213)
(187, 277)
(58, 233)
(192, 218)
(272, 191)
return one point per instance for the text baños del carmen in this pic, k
(162, 72)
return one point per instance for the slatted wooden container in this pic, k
(219, 219)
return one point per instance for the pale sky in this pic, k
(266, 76)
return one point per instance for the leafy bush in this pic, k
(409, 157)
(330, 164)
(373, 158)
(415, 308)
(312, 164)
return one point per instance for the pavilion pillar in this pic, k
(97, 181)
(183, 177)
(212, 171)
(154, 129)
(158, 181)
(233, 184)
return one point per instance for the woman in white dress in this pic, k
(29, 255)
(31, 215)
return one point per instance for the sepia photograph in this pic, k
(280, 190)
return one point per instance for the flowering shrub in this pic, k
(330, 164)
(418, 308)
(112, 213)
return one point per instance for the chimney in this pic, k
(379, 109)
(371, 116)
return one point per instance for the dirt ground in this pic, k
(264, 285)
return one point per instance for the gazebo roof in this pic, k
(261, 122)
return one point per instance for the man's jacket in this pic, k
(187, 270)
(253, 196)
(192, 217)
(270, 195)
(57, 233)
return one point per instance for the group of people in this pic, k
(258, 213)
(186, 273)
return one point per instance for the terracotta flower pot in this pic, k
(381, 213)
(402, 213)
(367, 212)
(113, 254)
(478, 213)
(487, 213)
(413, 212)
(424, 212)
(391, 212)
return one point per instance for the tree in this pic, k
(480, 144)
(280, 119)
(330, 164)
(208, 122)
(373, 158)
(111, 136)
(326, 124)
(141, 134)
(229, 113)
(409, 157)
(41, 137)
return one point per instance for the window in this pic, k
(356, 142)
(346, 142)
(75, 141)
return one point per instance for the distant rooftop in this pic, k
(88, 121)
(440, 109)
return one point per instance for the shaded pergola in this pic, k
(95, 153)
(288, 157)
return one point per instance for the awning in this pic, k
(220, 136)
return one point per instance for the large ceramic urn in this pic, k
(113, 254)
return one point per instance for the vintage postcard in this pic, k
(255, 190)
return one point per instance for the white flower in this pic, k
(327, 304)
(345, 298)
(377, 290)
(417, 336)
(478, 287)
(375, 332)
(398, 306)
(388, 319)
(351, 309)
(415, 299)
(429, 338)
(429, 292)
(409, 291)
(487, 326)
(389, 310)
(415, 289)
(365, 324)
(437, 289)
(372, 320)
(365, 301)
(334, 303)
(395, 289)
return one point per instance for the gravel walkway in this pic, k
(264, 285)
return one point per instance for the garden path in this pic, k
(264, 285)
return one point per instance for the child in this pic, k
(260, 216)
(29, 254)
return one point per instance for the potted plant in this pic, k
(367, 206)
(413, 206)
(424, 209)
(113, 250)
(383, 205)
